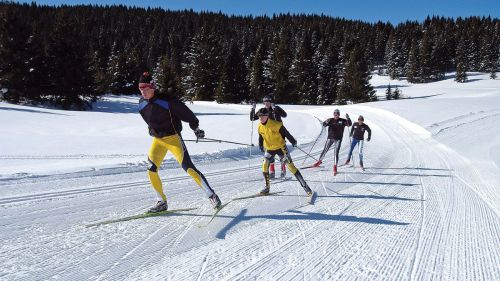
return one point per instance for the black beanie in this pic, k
(146, 78)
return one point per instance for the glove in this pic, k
(261, 148)
(294, 144)
(347, 116)
(368, 139)
(253, 106)
(199, 133)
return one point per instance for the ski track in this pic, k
(416, 213)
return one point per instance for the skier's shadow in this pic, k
(299, 215)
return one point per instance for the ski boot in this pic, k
(334, 170)
(264, 191)
(317, 164)
(214, 199)
(347, 162)
(159, 207)
(361, 165)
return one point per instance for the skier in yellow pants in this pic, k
(163, 113)
(272, 136)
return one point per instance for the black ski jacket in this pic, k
(164, 114)
(358, 131)
(275, 114)
(336, 127)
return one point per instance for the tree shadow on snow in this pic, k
(29, 110)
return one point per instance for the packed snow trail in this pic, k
(416, 213)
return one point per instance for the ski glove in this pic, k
(346, 116)
(294, 144)
(261, 148)
(199, 133)
(368, 139)
(253, 106)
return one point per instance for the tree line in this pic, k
(69, 56)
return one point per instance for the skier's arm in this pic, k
(326, 122)
(352, 131)
(369, 133)
(349, 122)
(181, 111)
(285, 134)
(261, 143)
(281, 112)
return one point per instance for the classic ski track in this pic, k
(302, 235)
(282, 249)
(79, 191)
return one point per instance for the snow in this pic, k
(426, 208)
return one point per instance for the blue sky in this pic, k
(366, 10)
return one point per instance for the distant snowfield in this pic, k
(427, 207)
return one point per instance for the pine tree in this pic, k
(461, 76)
(388, 92)
(282, 60)
(356, 82)
(232, 86)
(303, 72)
(258, 77)
(14, 33)
(425, 72)
(413, 64)
(461, 61)
(69, 74)
(396, 94)
(166, 80)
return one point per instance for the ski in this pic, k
(256, 195)
(309, 167)
(141, 216)
(215, 214)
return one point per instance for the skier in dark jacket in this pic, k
(275, 113)
(357, 132)
(336, 127)
(163, 113)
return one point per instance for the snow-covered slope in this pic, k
(426, 208)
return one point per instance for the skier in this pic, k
(163, 114)
(272, 136)
(357, 132)
(275, 113)
(336, 127)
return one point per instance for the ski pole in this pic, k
(216, 140)
(306, 153)
(312, 147)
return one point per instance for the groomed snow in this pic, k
(426, 208)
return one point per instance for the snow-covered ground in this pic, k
(426, 208)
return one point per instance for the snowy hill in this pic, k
(426, 208)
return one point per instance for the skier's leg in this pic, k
(271, 167)
(361, 143)
(176, 145)
(156, 155)
(265, 169)
(353, 144)
(288, 160)
(327, 146)
(336, 148)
